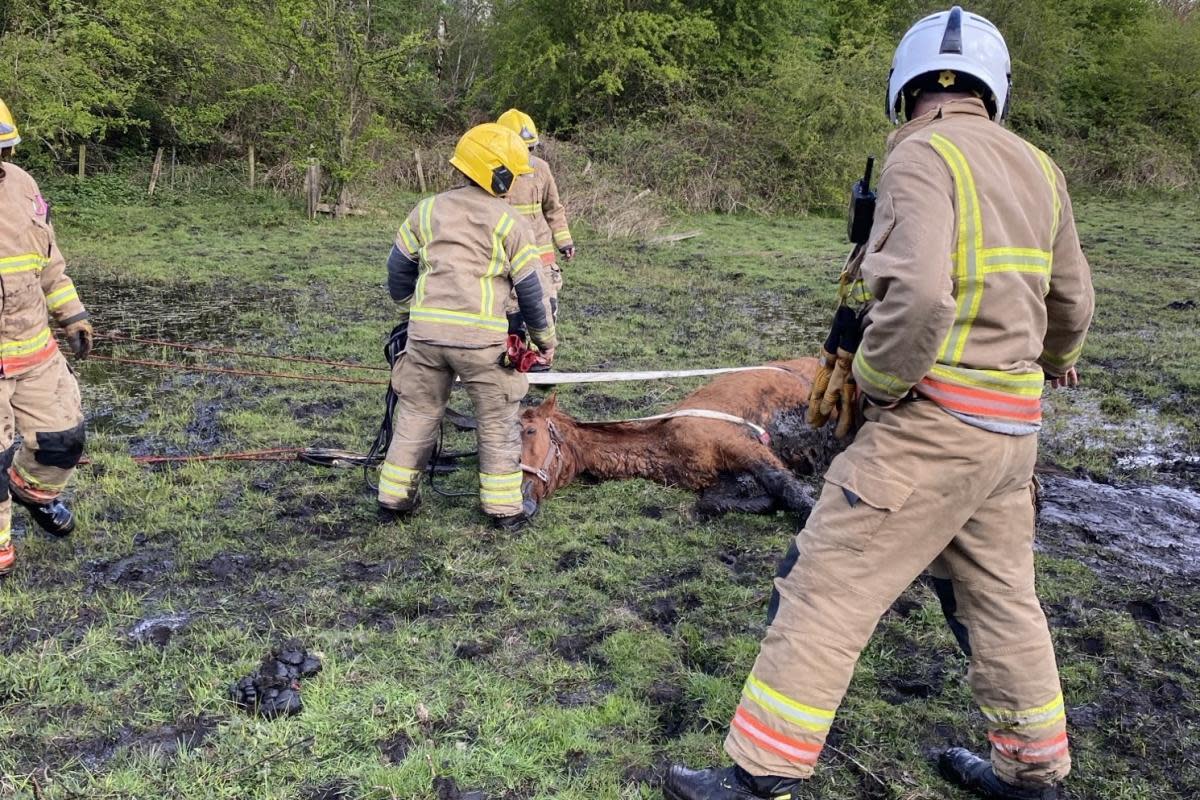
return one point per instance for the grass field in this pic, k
(574, 659)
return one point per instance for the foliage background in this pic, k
(762, 104)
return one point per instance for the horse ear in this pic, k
(549, 406)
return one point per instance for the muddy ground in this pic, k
(580, 657)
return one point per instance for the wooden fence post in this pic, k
(312, 187)
(250, 157)
(155, 171)
(172, 166)
(82, 160)
(420, 171)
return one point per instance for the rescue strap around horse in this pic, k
(555, 378)
(701, 413)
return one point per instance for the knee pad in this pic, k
(61, 449)
(786, 565)
(6, 460)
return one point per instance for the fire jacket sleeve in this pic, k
(61, 298)
(555, 213)
(1071, 299)
(526, 276)
(403, 264)
(907, 269)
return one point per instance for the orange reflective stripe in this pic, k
(1037, 752)
(782, 746)
(981, 402)
(11, 364)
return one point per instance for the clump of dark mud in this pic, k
(274, 689)
(447, 789)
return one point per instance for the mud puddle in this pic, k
(120, 398)
(1139, 529)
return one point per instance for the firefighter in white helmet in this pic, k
(981, 293)
(535, 197)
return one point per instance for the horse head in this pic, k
(542, 455)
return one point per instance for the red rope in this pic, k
(141, 362)
(278, 454)
(117, 337)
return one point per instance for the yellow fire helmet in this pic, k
(9, 136)
(521, 124)
(492, 156)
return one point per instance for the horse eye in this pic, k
(530, 431)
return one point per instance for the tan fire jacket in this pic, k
(467, 250)
(33, 276)
(535, 197)
(976, 270)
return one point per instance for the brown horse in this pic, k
(725, 461)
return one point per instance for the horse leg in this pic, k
(731, 494)
(778, 480)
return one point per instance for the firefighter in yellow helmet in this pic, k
(981, 293)
(455, 260)
(10, 138)
(535, 197)
(39, 397)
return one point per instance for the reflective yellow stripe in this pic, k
(23, 263)
(487, 292)
(408, 239)
(1027, 384)
(5, 536)
(23, 347)
(528, 208)
(545, 248)
(500, 481)
(447, 317)
(402, 474)
(60, 298)
(526, 256)
(969, 288)
(44, 486)
(1030, 719)
(1063, 360)
(1048, 170)
(807, 717)
(889, 383)
(425, 223)
(562, 236)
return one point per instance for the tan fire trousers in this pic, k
(917, 486)
(43, 406)
(422, 378)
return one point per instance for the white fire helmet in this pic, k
(956, 42)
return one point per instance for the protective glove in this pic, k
(820, 384)
(568, 252)
(79, 338)
(842, 372)
(848, 410)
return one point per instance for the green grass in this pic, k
(574, 659)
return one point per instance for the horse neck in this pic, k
(615, 450)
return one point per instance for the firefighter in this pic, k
(535, 197)
(39, 397)
(456, 258)
(981, 294)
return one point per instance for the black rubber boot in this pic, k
(54, 517)
(727, 783)
(529, 510)
(963, 768)
(399, 512)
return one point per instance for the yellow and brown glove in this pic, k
(79, 338)
(848, 410)
(820, 384)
